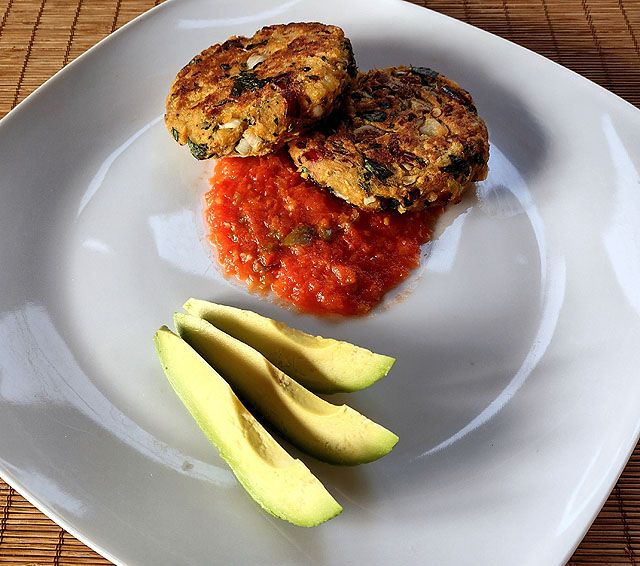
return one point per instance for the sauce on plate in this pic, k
(278, 232)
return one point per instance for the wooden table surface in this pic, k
(596, 38)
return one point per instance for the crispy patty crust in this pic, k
(405, 138)
(248, 96)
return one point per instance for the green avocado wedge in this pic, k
(322, 365)
(332, 433)
(283, 486)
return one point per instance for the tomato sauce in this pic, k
(278, 232)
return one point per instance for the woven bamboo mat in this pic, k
(596, 38)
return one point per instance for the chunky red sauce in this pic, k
(275, 231)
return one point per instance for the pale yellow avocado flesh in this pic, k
(320, 364)
(332, 433)
(283, 486)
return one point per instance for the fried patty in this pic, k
(248, 96)
(405, 138)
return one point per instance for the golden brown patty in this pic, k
(405, 138)
(248, 96)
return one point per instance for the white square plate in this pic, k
(515, 395)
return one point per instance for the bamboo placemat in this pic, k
(596, 38)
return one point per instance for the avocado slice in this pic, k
(281, 485)
(334, 434)
(322, 365)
